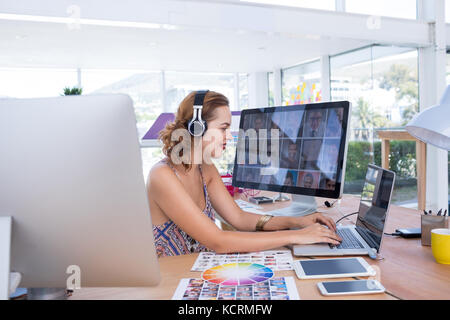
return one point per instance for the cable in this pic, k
(395, 234)
(337, 207)
(350, 214)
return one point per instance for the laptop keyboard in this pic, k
(349, 241)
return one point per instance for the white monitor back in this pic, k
(71, 178)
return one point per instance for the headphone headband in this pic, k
(200, 97)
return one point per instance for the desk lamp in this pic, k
(433, 124)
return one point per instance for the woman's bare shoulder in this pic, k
(210, 172)
(159, 173)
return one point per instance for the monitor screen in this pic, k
(374, 204)
(294, 149)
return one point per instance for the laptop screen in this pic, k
(374, 204)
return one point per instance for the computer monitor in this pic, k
(298, 149)
(72, 180)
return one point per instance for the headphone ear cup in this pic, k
(197, 128)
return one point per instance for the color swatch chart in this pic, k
(234, 274)
(277, 260)
(279, 288)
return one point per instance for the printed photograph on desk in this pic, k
(279, 288)
(277, 260)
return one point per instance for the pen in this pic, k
(430, 213)
(439, 212)
(425, 212)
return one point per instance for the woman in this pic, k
(182, 195)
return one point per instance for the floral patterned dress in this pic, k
(171, 240)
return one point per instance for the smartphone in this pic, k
(334, 288)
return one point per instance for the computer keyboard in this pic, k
(349, 241)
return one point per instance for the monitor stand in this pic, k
(301, 205)
(5, 254)
(46, 294)
(9, 281)
(281, 197)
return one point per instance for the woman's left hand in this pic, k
(316, 218)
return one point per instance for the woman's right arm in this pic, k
(235, 241)
(169, 194)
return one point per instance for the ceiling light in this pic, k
(81, 21)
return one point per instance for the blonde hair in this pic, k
(184, 115)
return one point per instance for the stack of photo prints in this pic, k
(275, 288)
(278, 288)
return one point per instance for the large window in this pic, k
(301, 83)
(381, 82)
(447, 11)
(243, 91)
(447, 74)
(447, 69)
(143, 87)
(405, 9)
(271, 86)
(313, 4)
(35, 82)
(179, 84)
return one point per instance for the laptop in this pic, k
(367, 234)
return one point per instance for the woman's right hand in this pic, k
(315, 233)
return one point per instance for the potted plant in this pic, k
(72, 91)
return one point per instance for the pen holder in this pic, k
(429, 223)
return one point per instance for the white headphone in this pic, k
(197, 126)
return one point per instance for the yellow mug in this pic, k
(440, 245)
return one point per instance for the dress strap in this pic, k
(201, 173)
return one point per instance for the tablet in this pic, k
(333, 268)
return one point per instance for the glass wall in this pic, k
(447, 69)
(405, 9)
(447, 11)
(271, 86)
(381, 82)
(179, 84)
(35, 83)
(243, 91)
(313, 4)
(447, 76)
(143, 87)
(301, 83)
